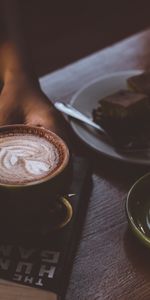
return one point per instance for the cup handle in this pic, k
(69, 211)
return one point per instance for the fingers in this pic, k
(8, 116)
(38, 119)
(49, 119)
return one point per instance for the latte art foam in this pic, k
(25, 158)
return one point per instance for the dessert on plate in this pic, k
(124, 108)
(125, 114)
(140, 83)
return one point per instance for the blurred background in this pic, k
(61, 32)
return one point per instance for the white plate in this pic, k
(86, 99)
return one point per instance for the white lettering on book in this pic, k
(5, 250)
(50, 256)
(4, 264)
(24, 270)
(25, 253)
(47, 270)
(24, 267)
(17, 277)
(39, 282)
(28, 279)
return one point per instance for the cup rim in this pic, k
(50, 176)
(141, 236)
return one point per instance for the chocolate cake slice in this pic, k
(125, 115)
(125, 104)
(140, 83)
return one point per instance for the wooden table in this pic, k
(110, 263)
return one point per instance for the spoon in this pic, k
(74, 113)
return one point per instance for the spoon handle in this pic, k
(74, 113)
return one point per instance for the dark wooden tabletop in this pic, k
(110, 263)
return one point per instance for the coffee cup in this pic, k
(34, 172)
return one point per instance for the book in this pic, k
(39, 268)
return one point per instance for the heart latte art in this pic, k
(26, 158)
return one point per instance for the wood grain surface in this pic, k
(110, 263)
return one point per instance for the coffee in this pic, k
(29, 155)
(34, 176)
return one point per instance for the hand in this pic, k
(23, 102)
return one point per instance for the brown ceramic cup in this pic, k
(34, 177)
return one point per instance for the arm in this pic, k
(21, 100)
(15, 54)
